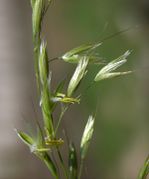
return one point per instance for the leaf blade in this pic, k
(25, 138)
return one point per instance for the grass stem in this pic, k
(81, 168)
(62, 163)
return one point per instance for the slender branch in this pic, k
(64, 109)
(53, 59)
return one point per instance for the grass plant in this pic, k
(47, 144)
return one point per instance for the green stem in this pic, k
(81, 168)
(37, 18)
(49, 163)
(62, 163)
(36, 42)
(60, 118)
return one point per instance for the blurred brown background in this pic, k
(121, 138)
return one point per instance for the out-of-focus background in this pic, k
(121, 139)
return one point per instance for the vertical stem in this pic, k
(64, 109)
(38, 12)
(36, 56)
(62, 163)
(81, 168)
(48, 162)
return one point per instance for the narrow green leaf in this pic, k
(25, 138)
(144, 170)
(36, 146)
(58, 90)
(87, 135)
(73, 163)
(107, 71)
(49, 163)
(60, 87)
(78, 75)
